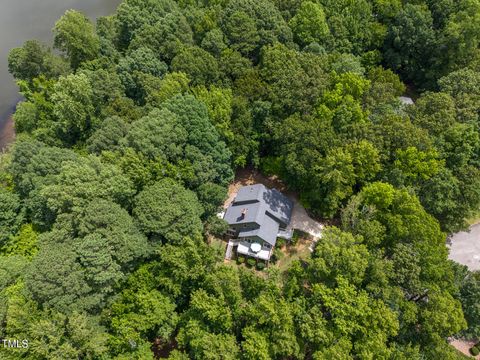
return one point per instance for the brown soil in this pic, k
(249, 176)
(464, 346)
(162, 349)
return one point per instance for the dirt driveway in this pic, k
(463, 346)
(300, 219)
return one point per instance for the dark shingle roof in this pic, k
(279, 206)
(268, 208)
(250, 193)
(267, 231)
(253, 213)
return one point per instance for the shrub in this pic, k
(280, 242)
(277, 255)
(474, 351)
(216, 227)
(260, 266)
(240, 260)
(295, 238)
(271, 166)
(251, 262)
(297, 235)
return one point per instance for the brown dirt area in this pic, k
(249, 176)
(463, 346)
(7, 134)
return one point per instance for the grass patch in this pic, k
(295, 251)
(475, 219)
(218, 245)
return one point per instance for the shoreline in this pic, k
(7, 132)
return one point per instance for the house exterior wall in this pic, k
(243, 248)
(244, 227)
(256, 239)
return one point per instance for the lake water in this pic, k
(21, 20)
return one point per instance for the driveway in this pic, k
(463, 346)
(465, 248)
(303, 222)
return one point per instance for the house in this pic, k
(257, 216)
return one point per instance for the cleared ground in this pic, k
(300, 218)
(464, 346)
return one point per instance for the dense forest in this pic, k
(132, 128)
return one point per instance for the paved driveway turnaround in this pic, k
(465, 248)
(303, 222)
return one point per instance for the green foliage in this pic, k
(251, 262)
(340, 255)
(469, 287)
(157, 135)
(167, 211)
(111, 189)
(216, 226)
(133, 68)
(260, 266)
(166, 36)
(133, 15)
(214, 42)
(108, 136)
(84, 180)
(474, 351)
(73, 107)
(98, 248)
(249, 25)
(11, 215)
(271, 166)
(415, 165)
(211, 196)
(411, 41)
(181, 137)
(23, 244)
(208, 155)
(106, 86)
(198, 65)
(139, 314)
(442, 316)
(219, 105)
(51, 335)
(172, 84)
(280, 243)
(309, 24)
(75, 35)
(277, 255)
(34, 59)
(352, 25)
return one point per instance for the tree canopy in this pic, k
(131, 130)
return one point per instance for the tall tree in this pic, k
(168, 212)
(75, 35)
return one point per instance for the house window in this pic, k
(268, 246)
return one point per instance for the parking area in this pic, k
(465, 247)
